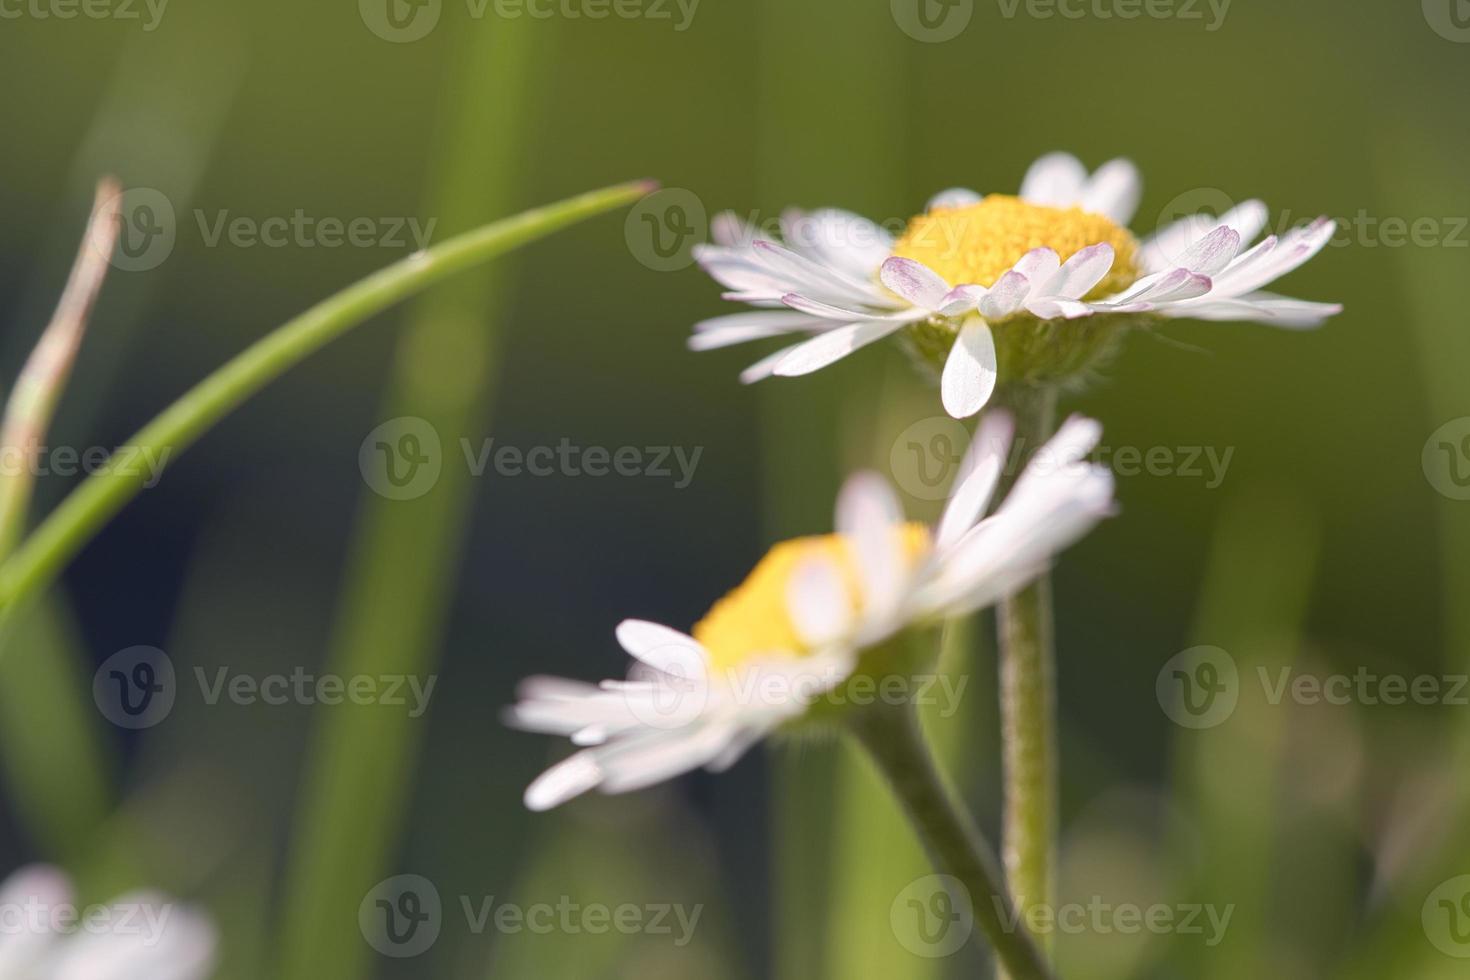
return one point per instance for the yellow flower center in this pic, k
(754, 619)
(976, 244)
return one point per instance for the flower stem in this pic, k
(1028, 698)
(103, 494)
(33, 399)
(892, 737)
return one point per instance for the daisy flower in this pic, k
(44, 935)
(813, 613)
(1036, 286)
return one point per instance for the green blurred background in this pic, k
(1325, 548)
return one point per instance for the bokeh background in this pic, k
(1336, 541)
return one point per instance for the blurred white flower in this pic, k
(45, 935)
(811, 613)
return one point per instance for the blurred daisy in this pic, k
(812, 613)
(974, 273)
(44, 935)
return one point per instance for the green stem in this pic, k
(359, 772)
(892, 736)
(38, 560)
(1028, 699)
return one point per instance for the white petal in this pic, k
(1005, 297)
(970, 370)
(845, 241)
(1165, 247)
(1052, 505)
(868, 516)
(1055, 180)
(561, 782)
(751, 319)
(1294, 250)
(37, 886)
(630, 766)
(141, 942)
(1077, 437)
(979, 475)
(1058, 309)
(1160, 287)
(832, 346)
(1113, 190)
(662, 648)
(766, 366)
(817, 599)
(816, 280)
(1212, 253)
(731, 231)
(708, 337)
(843, 314)
(1080, 273)
(961, 299)
(1038, 265)
(915, 282)
(955, 197)
(1261, 307)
